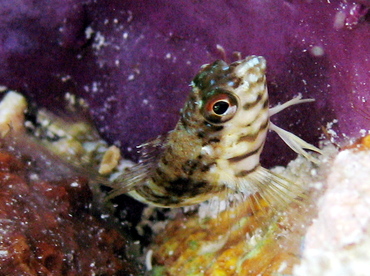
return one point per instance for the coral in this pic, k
(48, 218)
(337, 243)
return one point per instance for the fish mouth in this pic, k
(251, 65)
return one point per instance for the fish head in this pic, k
(228, 110)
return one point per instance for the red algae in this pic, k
(46, 226)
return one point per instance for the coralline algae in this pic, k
(132, 61)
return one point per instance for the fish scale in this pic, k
(215, 147)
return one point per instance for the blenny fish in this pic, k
(216, 145)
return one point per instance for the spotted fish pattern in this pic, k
(216, 145)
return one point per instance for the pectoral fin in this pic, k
(296, 143)
(276, 190)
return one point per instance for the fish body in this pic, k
(216, 145)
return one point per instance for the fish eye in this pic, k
(220, 108)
